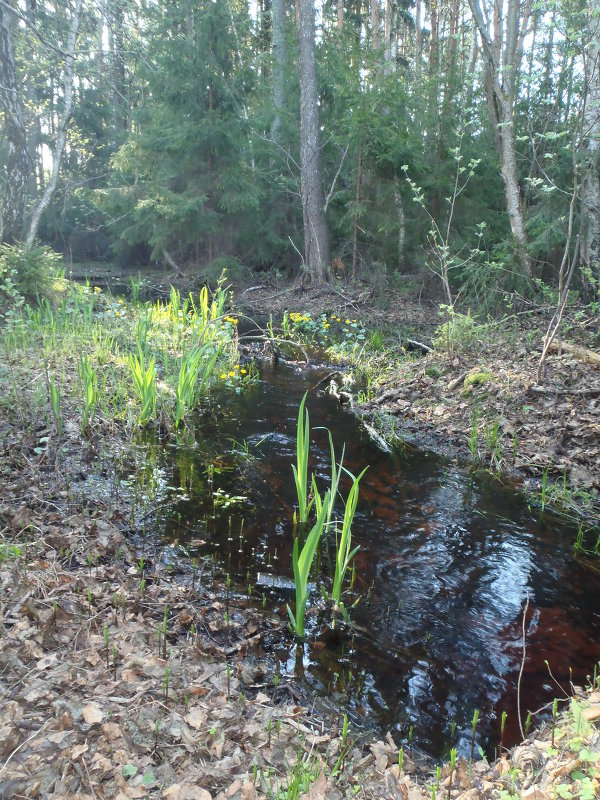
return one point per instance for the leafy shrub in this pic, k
(458, 332)
(27, 274)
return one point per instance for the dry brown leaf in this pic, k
(111, 730)
(196, 718)
(78, 750)
(591, 713)
(92, 714)
(318, 790)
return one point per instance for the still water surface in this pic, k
(446, 563)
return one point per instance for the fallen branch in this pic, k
(412, 344)
(564, 391)
(522, 668)
(579, 352)
(456, 382)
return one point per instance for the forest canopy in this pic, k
(451, 137)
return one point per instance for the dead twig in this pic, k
(522, 668)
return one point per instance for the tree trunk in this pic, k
(401, 225)
(512, 190)
(502, 54)
(14, 201)
(278, 11)
(61, 136)
(590, 190)
(316, 244)
(117, 99)
(375, 23)
(340, 15)
(356, 213)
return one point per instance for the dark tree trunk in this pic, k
(278, 12)
(316, 244)
(17, 163)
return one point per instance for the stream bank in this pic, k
(85, 682)
(474, 395)
(90, 711)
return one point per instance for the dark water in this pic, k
(445, 565)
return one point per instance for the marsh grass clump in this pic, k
(195, 372)
(89, 379)
(302, 559)
(144, 382)
(302, 562)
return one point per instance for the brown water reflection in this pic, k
(447, 561)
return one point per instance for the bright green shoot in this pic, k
(301, 467)
(55, 403)
(194, 374)
(89, 378)
(344, 553)
(302, 562)
(144, 381)
(335, 482)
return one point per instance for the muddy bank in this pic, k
(99, 703)
(478, 398)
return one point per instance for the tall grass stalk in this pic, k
(302, 562)
(335, 482)
(194, 374)
(55, 403)
(141, 332)
(144, 381)
(301, 468)
(344, 554)
(89, 379)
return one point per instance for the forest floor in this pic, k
(474, 395)
(97, 703)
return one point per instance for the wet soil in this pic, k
(97, 704)
(546, 435)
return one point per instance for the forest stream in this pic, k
(446, 563)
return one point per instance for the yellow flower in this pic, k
(327, 325)
(232, 374)
(116, 313)
(224, 376)
(237, 366)
(243, 371)
(347, 322)
(97, 290)
(120, 301)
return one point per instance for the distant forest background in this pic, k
(457, 139)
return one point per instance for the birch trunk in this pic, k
(14, 200)
(502, 52)
(316, 243)
(61, 135)
(401, 225)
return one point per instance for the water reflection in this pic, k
(445, 566)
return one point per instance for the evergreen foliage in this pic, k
(172, 158)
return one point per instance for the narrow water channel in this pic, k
(445, 565)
